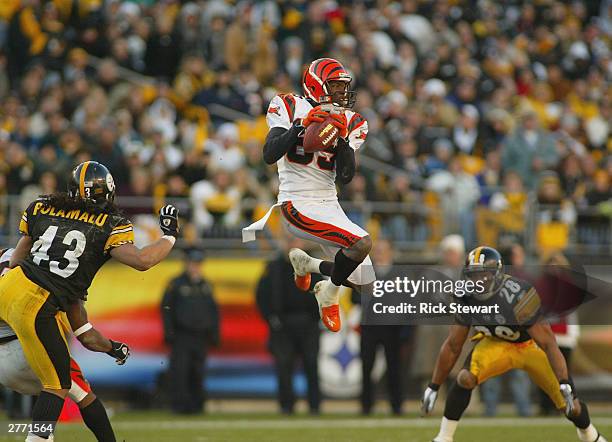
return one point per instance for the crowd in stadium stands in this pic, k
(475, 106)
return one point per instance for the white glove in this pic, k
(568, 394)
(429, 399)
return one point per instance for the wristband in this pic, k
(84, 328)
(170, 238)
(434, 387)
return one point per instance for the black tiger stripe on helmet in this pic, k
(316, 80)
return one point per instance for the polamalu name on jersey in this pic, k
(75, 214)
(70, 246)
(519, 308)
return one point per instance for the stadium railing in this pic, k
(415, 228)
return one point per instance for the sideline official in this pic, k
(191, 325)
(293, 318)
(390, 337)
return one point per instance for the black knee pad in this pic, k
(456, 402)
(583, 419)
(343, 267)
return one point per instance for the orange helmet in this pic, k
(316, 80)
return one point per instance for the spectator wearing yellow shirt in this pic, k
(193, 76)
(505, 213)
(540, 101)
(25, 37)
(580, 103)
(556, 214)
(216, 203)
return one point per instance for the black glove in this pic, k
(168, 220)
(120, 351)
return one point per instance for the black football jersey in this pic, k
(69, 247)
(519, 308)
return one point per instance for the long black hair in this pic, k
(62, 200)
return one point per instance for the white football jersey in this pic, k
(308, 176)
(5, 330)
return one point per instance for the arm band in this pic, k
(84, 328)
(170, 238)
(345, 162)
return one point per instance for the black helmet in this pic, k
(92, 181)
(484, 264)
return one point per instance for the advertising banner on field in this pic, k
(125, 305)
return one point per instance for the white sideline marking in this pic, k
(243, 424)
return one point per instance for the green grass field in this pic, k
(230, 427)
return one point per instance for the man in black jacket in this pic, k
(293, 318)
(191, 326)
(390, 337)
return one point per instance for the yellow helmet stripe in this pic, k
(477, 255)
(82, 179)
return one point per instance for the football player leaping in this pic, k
(519, 339)
(307, 191)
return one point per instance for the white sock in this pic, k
(34, 438)
(329, 294)
(313, 266)
(447, 430)
(589, 434)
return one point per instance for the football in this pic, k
(320, 136)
